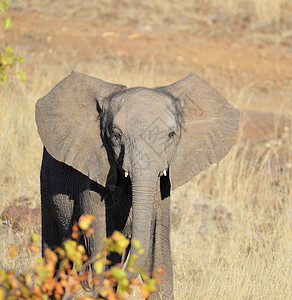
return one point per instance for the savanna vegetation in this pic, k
(231, 225)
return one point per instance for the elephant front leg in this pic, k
(160, 256)
(91, 203)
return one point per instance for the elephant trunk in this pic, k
(143, 193)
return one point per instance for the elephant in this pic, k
(117, 152)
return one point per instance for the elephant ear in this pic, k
(69, 125)
(209, 127)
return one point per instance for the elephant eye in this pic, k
(171, 134)
(117, 136)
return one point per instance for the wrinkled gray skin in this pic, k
(96, 133)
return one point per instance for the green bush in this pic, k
(44, 280)
(7, 59)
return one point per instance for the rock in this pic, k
(22, 218)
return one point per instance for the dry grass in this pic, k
(232, 225)
(180, 14)
(236, 219)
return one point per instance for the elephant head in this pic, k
(104, 130)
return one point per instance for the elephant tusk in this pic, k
(126, 174)
(164, 172)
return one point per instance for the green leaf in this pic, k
(151, 285)
(3, 276)
(140, 251)
(136, 244)
(1, 7)
(142, 273)
(85, 221)
(42, 273)
(2, 293)
(40, 260)
(3, 77)
(3, 60)
(70, 246)
(98, 267)
(98, 256)
(35, 237)
(6, 4)
(10, 60)
(22, 75)
(132, 261)
(25, 291)
(123, 286)
(118, 273)
(8, 50)
(7, 22)
(124, 282)
(121, 240)
(19, 58)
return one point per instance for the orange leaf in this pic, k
(2, 293)
(75, 228)
(49, 285)
(89, 232)
(34, 248)
(51, 256)
(62, 274)
(144, 290)
(58, 289)
(13, 251)
(75, 235)
(13, 282)
(17, 293)
(36, 290)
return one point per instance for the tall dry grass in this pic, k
(237, 225)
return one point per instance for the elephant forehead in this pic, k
(143, 107)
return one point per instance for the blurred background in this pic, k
(231, 225)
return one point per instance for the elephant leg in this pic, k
(92, 203)
(57, 204)
(57, 212)
(51, 236)
(63, 209)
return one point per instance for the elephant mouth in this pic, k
(162, 173)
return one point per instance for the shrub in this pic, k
(7, 59)
(111, 282)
